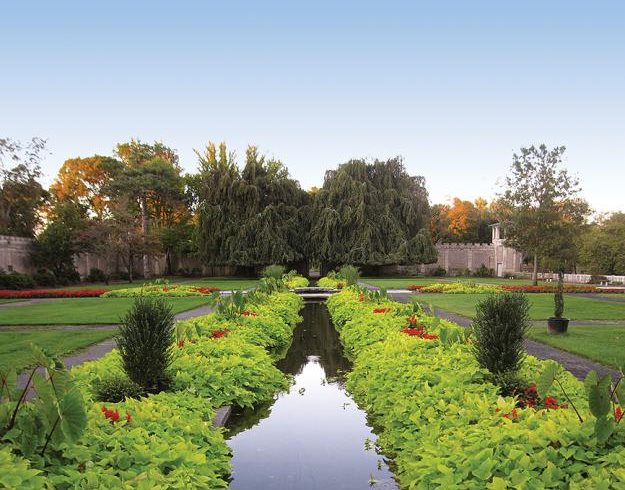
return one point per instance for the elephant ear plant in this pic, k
(54, 417)
(605, 398)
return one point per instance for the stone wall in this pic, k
(457, 258)
(14, 254)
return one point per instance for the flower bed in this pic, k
(176, 290)
(567, 289)
(466, 288)
(52, 293)
(446, 426)
(460, 288)
(168, 440)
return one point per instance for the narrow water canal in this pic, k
(314, 437)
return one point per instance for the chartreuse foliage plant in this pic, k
(164, 440)
(332, 279)
(460, 288)
(445, 423)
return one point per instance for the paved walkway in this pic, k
(577, 365)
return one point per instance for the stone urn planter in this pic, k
(557, 325)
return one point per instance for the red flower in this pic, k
(181, 343)
(381, 310)
(361, 297)
(51, 293)
(217, 334)
(204, 290)
(551, 402)
(419, 332)
(112, 415)
(511, 415)
(249, 313)
(618, 414)
(128, 418)
(340, 285)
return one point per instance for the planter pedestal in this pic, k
(557, 325)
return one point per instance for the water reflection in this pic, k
(314, 436)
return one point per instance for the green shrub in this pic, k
(484, 271)
(15, 280)
(438, 272)
(96, 275)
(274, 271)
(499, 329)
(350, 273)
(116, 389)
(145, 341)
(558, 297)
(45, 278)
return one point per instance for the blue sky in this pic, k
(452, 86)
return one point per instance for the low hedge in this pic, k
(446, 426)
(168, 440)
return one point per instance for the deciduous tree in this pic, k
(21, 194)
(540, 206)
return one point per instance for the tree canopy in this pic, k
(371, 214)
(602, 249)
(462, 221)
(249, 216)
(540, 207)
(21, 194)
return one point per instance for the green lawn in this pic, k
(2, 301)
(14, 350)
(81, 311)
(402, 282)
(576, 307)
(224, 283)
(601, 343)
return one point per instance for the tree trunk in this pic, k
(147, 271)
(535, 272)
(168, 271)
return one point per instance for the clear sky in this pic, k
(452, 86)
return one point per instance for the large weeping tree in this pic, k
(371, 214)
(248, 217)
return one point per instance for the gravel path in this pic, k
(577, 365)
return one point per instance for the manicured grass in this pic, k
(601, 343)
(81, 311)
(576, 307)
(224, 283)
(402, 282)
(2, 301)
(14, 350)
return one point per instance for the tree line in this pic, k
(137, 203)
